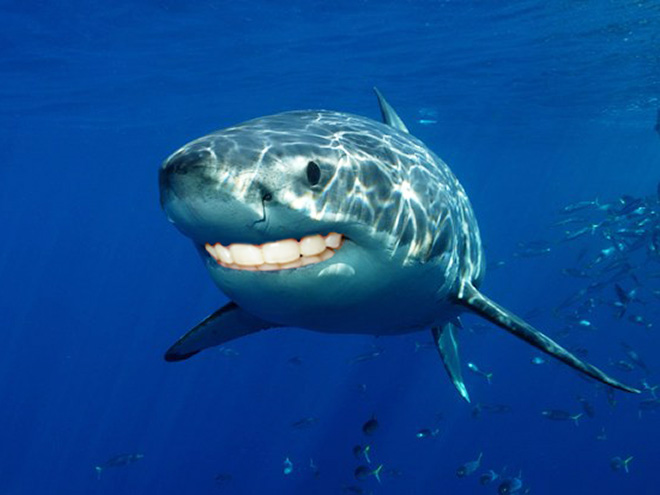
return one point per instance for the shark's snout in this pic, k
(186, 173)
(199, 204)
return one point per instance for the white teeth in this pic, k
(269, 267)
(310, 260)
(327, 254)
(333, 240)
(281, 251)
(279, 255)
(312, 245)
(224, 254)
(246, 254)
(293, 264)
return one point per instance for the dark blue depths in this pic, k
(534, 107)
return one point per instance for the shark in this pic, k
(335, 223)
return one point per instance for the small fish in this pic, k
(228, 351)
(488, 477)
(469, 467)
(223, 478)
(427, 121)
(628, 205)
(117, 461)
(622, 365)
(649, 405)
(585, 323)
(639, 320)
(618, 463)
(582, 205)
(288, 467)
(510, 485)
(587, 407)
(490, 408)
(316, 472)
(367, 356)
(370, 426)
(538, 360)
(634, 357)
(559, 415)
(650, 388)
(611, 398)
(531, 252)
(589, 229)
(305, 422)
(363, 472)
(568, 221)
(571, 300)
(602, 436)
(475, 369)
(424, 345)
(427, 433)
(494, 265)
(574, 272)
(295, 361)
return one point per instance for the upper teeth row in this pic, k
(275, 253)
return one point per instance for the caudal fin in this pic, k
(493, 312)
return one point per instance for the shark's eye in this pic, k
(313, 173)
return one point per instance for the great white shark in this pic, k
(335, 223)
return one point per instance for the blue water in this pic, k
(537, 105)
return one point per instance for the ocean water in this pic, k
(535, 105)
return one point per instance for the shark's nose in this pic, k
(184, 172)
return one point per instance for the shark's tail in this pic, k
(472, 299)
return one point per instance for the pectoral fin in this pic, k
(445, 340)
(491, 311)
(228, 323)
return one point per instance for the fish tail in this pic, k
(576, 418)
(376, 472)
(625, 463)
(489, 376)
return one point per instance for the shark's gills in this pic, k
(493, 312)
(228, 323)
(445, 340)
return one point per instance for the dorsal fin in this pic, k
(390, 117)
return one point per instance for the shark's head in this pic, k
(313, 212)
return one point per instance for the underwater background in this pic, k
(534, 105)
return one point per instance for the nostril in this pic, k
(267, 197)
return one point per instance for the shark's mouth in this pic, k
(279, 255)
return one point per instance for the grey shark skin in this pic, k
(411, 257)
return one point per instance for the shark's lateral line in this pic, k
(335, 223)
